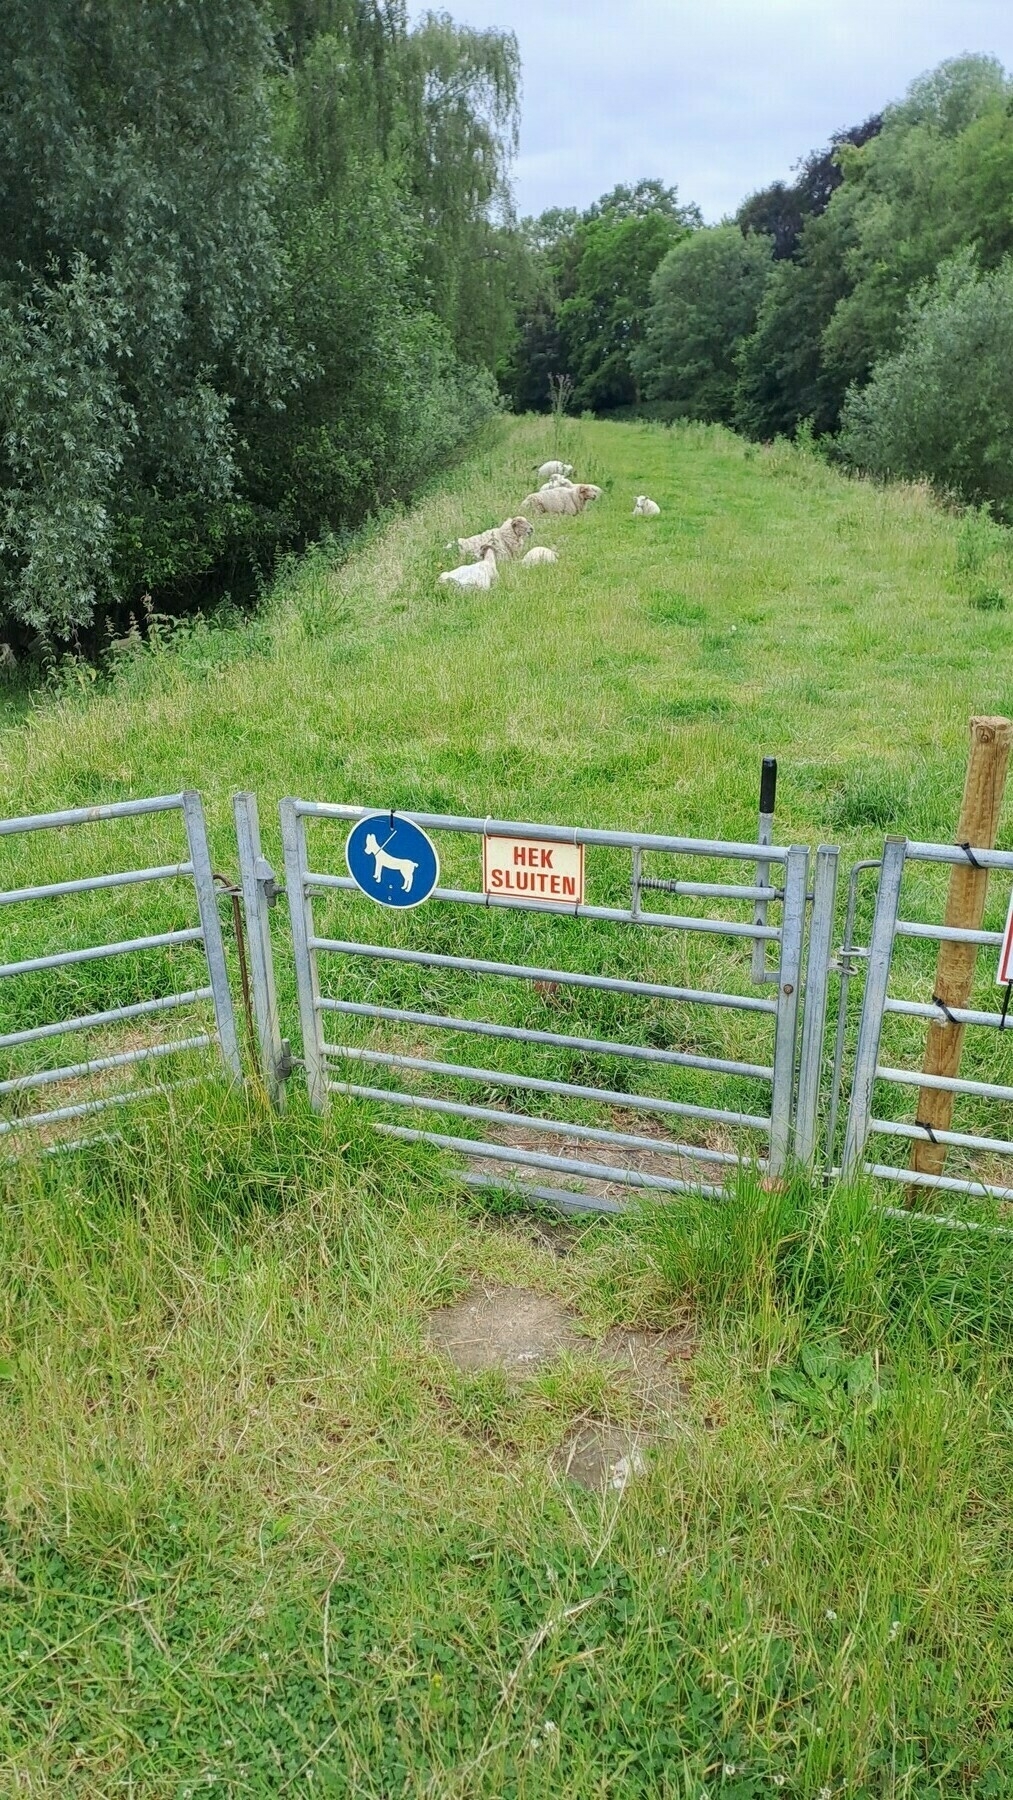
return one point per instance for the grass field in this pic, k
(256, 1536)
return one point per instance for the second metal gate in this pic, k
(153, 998)
(603, 1025)
(898, 1002)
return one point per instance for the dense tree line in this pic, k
(589, 289)
(258, 258)
(870, 300)
(260, 263)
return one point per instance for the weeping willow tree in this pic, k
(437, 109)
(396, 146)
(460, 115)
(341, 82)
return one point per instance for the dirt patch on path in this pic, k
(652, 1363)
(519, 1331)
(603, 1459)
(513, 1329)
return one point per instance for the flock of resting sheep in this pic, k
(505, 543)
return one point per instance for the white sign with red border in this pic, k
(1006, 953)
(531, 869)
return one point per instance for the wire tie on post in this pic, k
(972, 859)
(922, 1126)
(950, 1019)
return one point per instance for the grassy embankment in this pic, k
(255, 1535)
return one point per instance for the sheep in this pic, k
(555, 500)
(645, 509)
(505, 541)
(473, 575)
(563, 481)
(540, 554)
(568, 501)
(554, 468)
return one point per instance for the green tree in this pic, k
(783, 376)
(939, 408)
(704, 301)
(460, 100)
(251, 249)
(911, 195)
(139, 273)
(589, 289)
(602, 322)
(882, 209)
(381, 276)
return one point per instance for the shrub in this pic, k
(940, 408)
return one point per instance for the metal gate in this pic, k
(897, 1002)
(129, 976)
(584, 1073)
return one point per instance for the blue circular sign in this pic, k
(392, 860)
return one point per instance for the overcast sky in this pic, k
(718, 97)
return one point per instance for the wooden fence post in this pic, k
(965, 907)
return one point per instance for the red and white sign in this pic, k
(1006, 953)
(530, 869)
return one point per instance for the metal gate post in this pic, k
(764, 835)
(211, 926)
(260, 892)
(881, 944)
(789, 977)
(815, 1015)
(300, 906)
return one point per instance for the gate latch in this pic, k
(266, 881)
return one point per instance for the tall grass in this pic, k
(258, 1537)
(255, 1535)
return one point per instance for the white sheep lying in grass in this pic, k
(554, 468)
(505, 541)
(563, 481)
(568, 501)
(645, 509)
(473, 575)
(540, 554)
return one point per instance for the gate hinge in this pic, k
(269, 886)
(285, 1063)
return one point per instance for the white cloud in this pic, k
(717, 96)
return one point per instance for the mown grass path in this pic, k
(773, 608)
(256, 1537)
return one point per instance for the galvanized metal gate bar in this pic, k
(320, 1055)
(818, 969)
(208, 935)
(260, 892)
(877, 979)
(789, 983)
